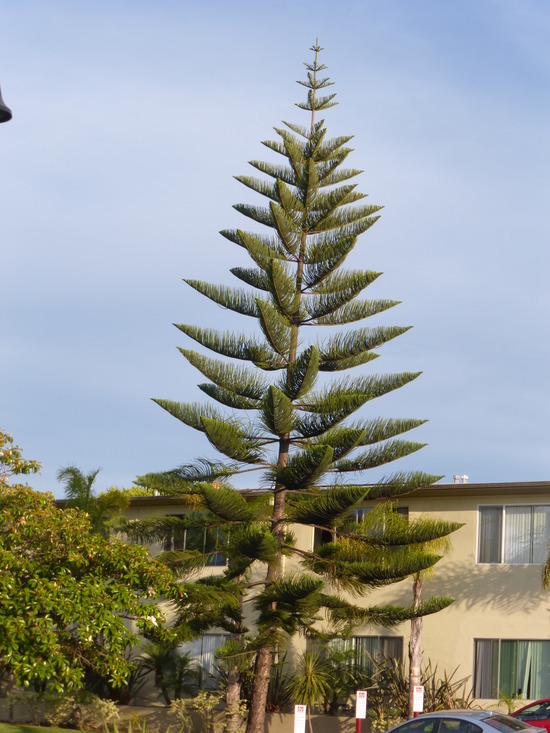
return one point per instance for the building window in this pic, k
(203, 651)
(361, 514)
(511, 667)
(377, 520)
(367, 650)
(207, 541)
(514, 535)
(175, 541)
(371, 649)
(322, 537)
(447, 725)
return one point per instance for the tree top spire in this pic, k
(314, 83)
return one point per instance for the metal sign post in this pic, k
(418, 700)
(360, 709)
(300, 718)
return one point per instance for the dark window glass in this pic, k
(176, 541)
(322, 537)
(203, 651)
(455, 725)
(506, 724)
(420, 725)
(511, 667)
(514, 534)
(364, 651)
(538, 711)
(202, 540)
(490, 534)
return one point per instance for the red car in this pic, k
(536, 713)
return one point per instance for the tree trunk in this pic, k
(11, 687)
(163, 688)
(415, 644)
(233, 719)
(262, 669)
(264, 656)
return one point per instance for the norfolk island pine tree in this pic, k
(288, 417)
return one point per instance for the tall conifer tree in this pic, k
(289, 414)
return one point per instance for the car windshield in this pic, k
(506, 724)
(537, 711)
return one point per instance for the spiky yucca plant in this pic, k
(283, 416)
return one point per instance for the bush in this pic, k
(81, 710)
(389, 692)
(203, 705)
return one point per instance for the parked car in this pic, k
(465, 721)
(536, 713)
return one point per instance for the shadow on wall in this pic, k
(506, 588)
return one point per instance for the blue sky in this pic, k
(130, 121)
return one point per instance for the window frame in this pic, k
(501, 549)
(325, 535)
(521, 660)
(217, 558)
(205, 659)
(355, 643)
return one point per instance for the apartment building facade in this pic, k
(497, 632)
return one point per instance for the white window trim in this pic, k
(503, 531)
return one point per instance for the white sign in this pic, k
(300, 718)
(361, 704)
(418, 699)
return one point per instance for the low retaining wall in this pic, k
(158, 719)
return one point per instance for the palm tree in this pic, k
(311, 683)
(175, 671)
(79, 493)
(78, 486)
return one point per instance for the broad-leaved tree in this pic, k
(67, 594)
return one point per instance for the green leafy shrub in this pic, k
(81, 710)
(136, 725)
(202, 705)
(389, 692)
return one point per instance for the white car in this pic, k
(465, 721)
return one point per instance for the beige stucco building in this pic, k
(497, 632)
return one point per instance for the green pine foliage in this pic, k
(276, 408)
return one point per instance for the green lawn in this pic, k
(9, 728)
